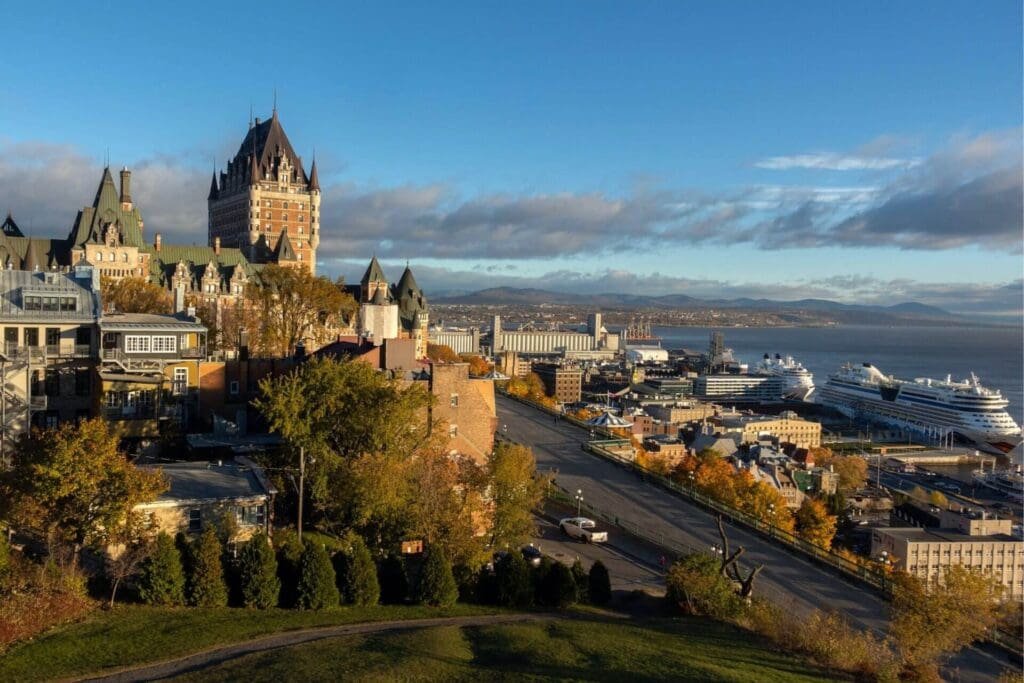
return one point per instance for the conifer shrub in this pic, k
(257, 574)
(599, 584)
(579, 574)
(206, 586)
(357, 574)
(394, 584)
(467, 580)
(558, 587)
(162, 580)
(437, 586)
(486, 586)
(512, 576)
(317, 587)
(289, 553)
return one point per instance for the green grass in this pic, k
(134, 634)
(580, 649)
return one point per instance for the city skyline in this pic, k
(868, 153)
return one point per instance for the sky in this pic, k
(864, 152)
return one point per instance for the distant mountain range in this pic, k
(849, 313)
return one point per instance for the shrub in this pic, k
(468, 582)
(356, 574)
(5, 558)
(289, 553)
(162, 581)
(696, 584)
(579, 575)
(394, 584)
(558, 587)
(257, 574)
(599, 584)
(512, 575)
(317, 588)
(486, 586)
(437, 585)
(34, 601)
(206, 587)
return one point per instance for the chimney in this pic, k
(156, 243)
(216, 246)
(126, 189)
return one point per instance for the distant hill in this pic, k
(848, 313)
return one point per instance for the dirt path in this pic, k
(220, 654)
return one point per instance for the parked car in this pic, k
(582, 529)
(532, 555)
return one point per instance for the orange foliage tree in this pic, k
(814, 523)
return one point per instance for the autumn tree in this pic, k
(442, 353)
(815, 524)
(928, 625)
(478, 367)
(130, 545)
(285, 306)
(134, 295)
(73, 487)
(851, 470)
(516, 491)
(938, 499)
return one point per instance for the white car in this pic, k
(582, 529)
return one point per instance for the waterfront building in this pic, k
(596, 342)
(970, 539)
(787, 427)
(459, 341)
(264, 204)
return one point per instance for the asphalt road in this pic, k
(787, 578)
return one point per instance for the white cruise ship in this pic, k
(935, 408)
(798, 382)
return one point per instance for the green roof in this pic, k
(106, 208)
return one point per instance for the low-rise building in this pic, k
(786, 427)
(465, 407)
(970, 539)
(563, 383)
(222, 494)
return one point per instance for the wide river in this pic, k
(995, 355)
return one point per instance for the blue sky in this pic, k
(772, 146)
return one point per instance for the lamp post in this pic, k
(884, 561)
(689, 475)
(302, 485)
(771, 519)
(579, 501)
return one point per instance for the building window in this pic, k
(453, 431)
(234, 388)
(31, 336)
(195, 520)
(454, 402)
(251, 515)
(136, 344)
(180, 380)
(165, 344)
(53, 336)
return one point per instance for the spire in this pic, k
(254, 169)
(10, 228)
(314, 178)
(213, 187)
(374, 273)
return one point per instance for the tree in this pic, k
(163, 580)
(516, 491)
(317, 586)
(579, 574)
(478, 367)
(356, 574)
(851, 470)
(512, 577)
(599, 586)
(928, 625)
(938, 499)
(131, 544)
(697, 585)
(558, 587)
(815, 524)
(285, 306)
(134, 295)
(206, 587)
(394, 584)
(5, 558)
(442, 353)
(437, 585)
(74, 487)
(257, 573)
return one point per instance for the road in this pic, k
(788, 579)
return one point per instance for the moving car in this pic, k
(582, 529)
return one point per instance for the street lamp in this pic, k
(771, 519)
(579, 501)
(690, 475)
(884, 561)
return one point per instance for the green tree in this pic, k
(696, 584)
(513, 585)
(357, 574)
(162, 581)
(437, 585)
(289, 556)
(257, 573)
(516, 492)
(73, 487)
(814, 524)
(394, 584)
(284, 306)
(599, 584)
(579, 574)
(317, 587)
(206, 587)
(558, 587)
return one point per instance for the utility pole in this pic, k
(302, 485)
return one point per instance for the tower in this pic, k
(378, 311)
(413, 314)
(264, 203)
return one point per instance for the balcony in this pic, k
(37, 402)
(196, 352)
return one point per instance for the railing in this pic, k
(37, 402)
(196, 352)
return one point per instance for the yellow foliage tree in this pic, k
(134, 295)
(814, 524)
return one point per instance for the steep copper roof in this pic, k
(411, 300)
(10, 228)
(263, 146)
(374, 273)
(314, 178)
(106, 209)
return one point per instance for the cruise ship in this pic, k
(772, 380)
(934, 408)
(797, 381)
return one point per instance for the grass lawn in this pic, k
(582, 649)
(136, 634)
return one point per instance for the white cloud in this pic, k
(835, 162)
